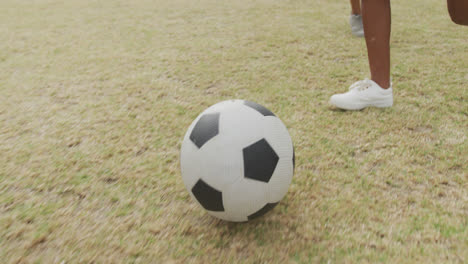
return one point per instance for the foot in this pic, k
(363, 94)
(356, 25)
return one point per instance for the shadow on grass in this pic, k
(261, 229)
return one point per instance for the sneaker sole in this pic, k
(355, 107)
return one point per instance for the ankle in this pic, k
(384, 84)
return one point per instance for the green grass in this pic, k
(95, 97)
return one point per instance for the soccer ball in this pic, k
(237, 160)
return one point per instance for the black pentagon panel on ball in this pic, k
(206, 128)
(262, 211)
(260, 161)
(210, 198)
(260, 108)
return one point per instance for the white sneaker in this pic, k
(363, 94)
(356, 25)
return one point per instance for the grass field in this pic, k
(96, 95)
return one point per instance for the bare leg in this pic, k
(355, 7)
(458, 10)
(376, 16)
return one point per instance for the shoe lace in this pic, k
(361, 85)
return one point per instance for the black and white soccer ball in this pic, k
(237, 160)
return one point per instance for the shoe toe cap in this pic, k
(336, 100)
(343, 101)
